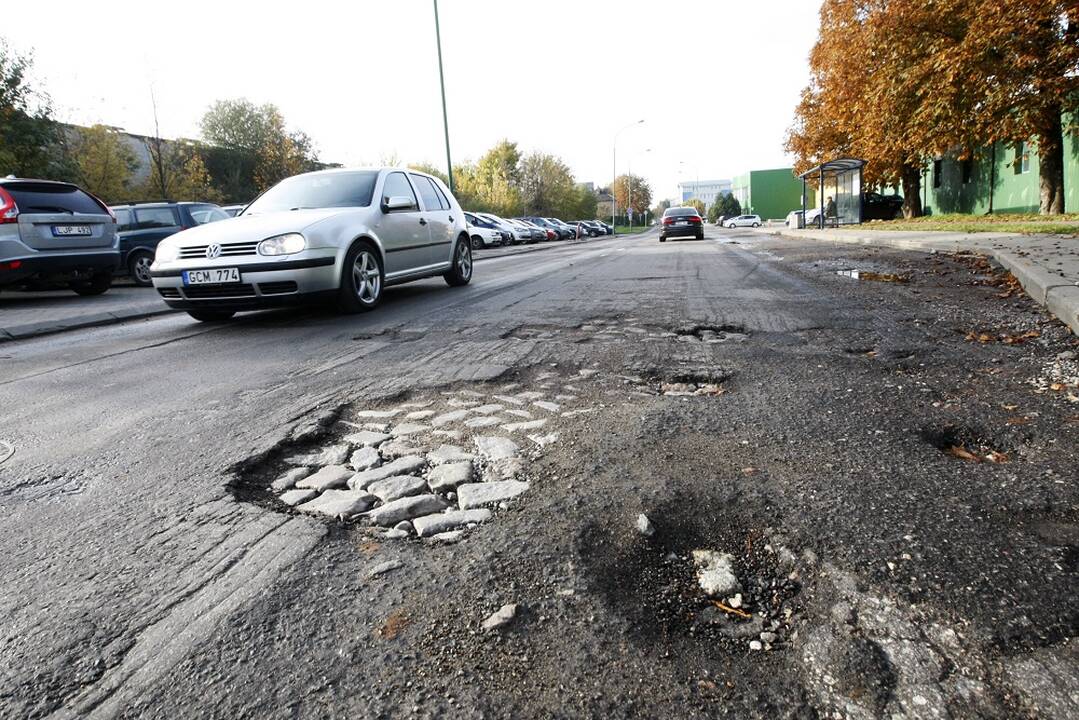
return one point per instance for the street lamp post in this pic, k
(614, 169)
(442, 83)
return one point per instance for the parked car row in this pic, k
(487, 230)
(338, 234)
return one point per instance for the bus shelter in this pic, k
(839, 193)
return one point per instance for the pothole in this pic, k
(600, 330)
(431, 465)
(655, 580)
(712, 333)
(964, 443)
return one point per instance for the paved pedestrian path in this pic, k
(1046, 266)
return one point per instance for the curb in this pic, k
(1057, 295)
(31, 330)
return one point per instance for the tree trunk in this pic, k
(911, 177)
(1051, 163)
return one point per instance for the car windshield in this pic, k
(317, 190)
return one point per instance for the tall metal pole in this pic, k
(442, 83)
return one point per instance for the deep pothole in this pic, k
(658, 581)
(968, 443)
(432, 465)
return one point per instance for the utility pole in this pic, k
(442, 83)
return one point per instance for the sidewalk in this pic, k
(1047, 267)
(28, 314)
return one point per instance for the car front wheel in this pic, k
(756, 224)
(477, 242)
(138, 267)
(361, 280)
(461, 272)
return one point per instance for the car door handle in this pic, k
(423, 221)
(451, 218)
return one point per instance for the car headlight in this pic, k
(287, 244)
(166, 252)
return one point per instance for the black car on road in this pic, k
(681, 222)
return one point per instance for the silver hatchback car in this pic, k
(339, 236)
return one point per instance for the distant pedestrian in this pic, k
(829, 208)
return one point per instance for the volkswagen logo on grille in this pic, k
(213, 251)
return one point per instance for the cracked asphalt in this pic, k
(892, 466)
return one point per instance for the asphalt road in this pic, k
(147, 575)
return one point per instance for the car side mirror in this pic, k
(398, 202)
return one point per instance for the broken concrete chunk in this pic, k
(429, 525)
(449, 476)
(644, 526)
(548, 406)
(340, 503)
(715, 573)
(484, 421)
(295, 497)
(449, 417)
(332, 455)
(331, 476)
(400, 486)
(383, 567)
(408, 428)
(529, 425)
(496, 448)
(500, 618)
(364, 459)
(473, 495)
(406, 508)
(448, 454)
(378, 414)
(367, 438)
(289, 479)
(401, 466)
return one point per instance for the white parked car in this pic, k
(794, 216)
(519, 235)
(334, 235)
(743, 221)
(483, 237)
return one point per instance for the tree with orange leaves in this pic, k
(898, 81)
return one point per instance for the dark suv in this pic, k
(55, 233)
(142, 226)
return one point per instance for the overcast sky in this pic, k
(716, 81)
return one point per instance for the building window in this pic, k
(1022, 158)
(938, 165)
(968, 170)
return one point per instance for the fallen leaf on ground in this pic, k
(1018, 420)
(395, 623)
(963, 454)
(1010, 407)
(1056, 387)
(996, 457)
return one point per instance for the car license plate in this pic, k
(215, 276)
(682, 222)
(69, 230)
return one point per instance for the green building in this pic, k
(768, 193)
(1006, 173)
